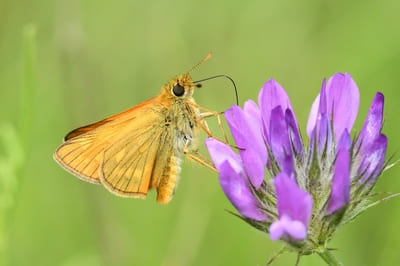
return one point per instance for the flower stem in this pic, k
(329, 258)
(280, 252)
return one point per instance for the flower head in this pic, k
(295, 192)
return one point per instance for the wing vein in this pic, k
(139, 160)
(142, 175)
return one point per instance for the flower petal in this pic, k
(291, 200)
(272, 95)
(322, 124)
(220, 152)
(253, 112)
(312, 117)
(237, 190)
(345, 141)
(343, 100)
(318, 107)
(373, 123)
(287, 228)
(247, 133)
(324, 135)
(294, 133)
(279, 140)
(374, 157)
(340, 192)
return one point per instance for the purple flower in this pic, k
(373, 159)
(298, 193)
(342, 101)
(250, 142)
(294, 209)
(371, 144)
(373, 123)
(271, 96)
(340, 193)
(233, 181)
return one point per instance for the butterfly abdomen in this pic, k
(168, 181)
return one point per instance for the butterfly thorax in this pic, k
(182, 115)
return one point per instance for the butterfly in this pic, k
(139, 149)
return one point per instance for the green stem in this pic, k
(280, 252)
(329, 258)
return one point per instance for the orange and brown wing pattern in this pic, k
(117, 153)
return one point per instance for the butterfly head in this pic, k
(180, 87)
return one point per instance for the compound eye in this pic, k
(178, 90)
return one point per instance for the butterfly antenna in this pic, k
(201, 61)
(220, 76)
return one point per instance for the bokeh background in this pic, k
(66, 63)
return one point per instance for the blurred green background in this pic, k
(66, 63)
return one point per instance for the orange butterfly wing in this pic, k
(82, 130)
(136, 163)
(126, 152)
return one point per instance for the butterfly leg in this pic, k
(204, 126)
(207, 113)
(208, 132)
(199, 158)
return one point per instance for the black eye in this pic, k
(178, 90)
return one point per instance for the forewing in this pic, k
(123, 115)
(82, 154)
